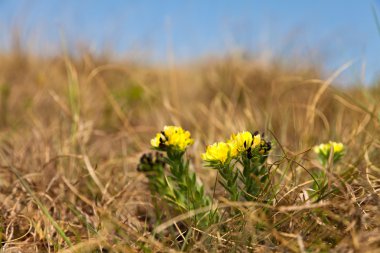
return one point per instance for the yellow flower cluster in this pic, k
(244, 141)
(325, 148)
(172, 136)
(237, 144)
(217, 152)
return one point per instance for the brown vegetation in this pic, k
(72, 132)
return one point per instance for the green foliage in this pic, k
(328, 155)
(229, 180)
(171, 179)
(255, 175)
(241, 163)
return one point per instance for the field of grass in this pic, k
(72, 132)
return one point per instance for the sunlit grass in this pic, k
(73, 131)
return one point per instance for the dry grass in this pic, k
(72, 132)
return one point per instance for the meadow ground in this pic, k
(72, 132)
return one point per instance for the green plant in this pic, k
(170, 177)
(241, 164)
(328, 154)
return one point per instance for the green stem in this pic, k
(188, 190)
(253, 176)
(229, 181)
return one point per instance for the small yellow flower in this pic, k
(325, 148)
(233, 148)
(323, 151)
(173, 136)
(217, 152)
(256, 140)
(156, 141)
(244, 141)
(265, 147)
(338, 147)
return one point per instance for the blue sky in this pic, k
(333, 30)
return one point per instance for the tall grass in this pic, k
(74, 130)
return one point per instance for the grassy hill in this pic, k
(72, 131)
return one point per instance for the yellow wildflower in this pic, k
(338, 147)
(244, 141)
(325, 148)
(156, 141)
(233, 148)
(173, 136)
(323, 151)
(265, 147)
(256, 140)
(217, 152)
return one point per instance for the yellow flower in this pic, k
(265, 147)
(233, 148)
(256, 140)
(173, 136)
(156, 141)
(323, 151)
(325, 148)
(338, 147)
(244, 141)
(217, 152)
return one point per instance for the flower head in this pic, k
(242, 141)
(245, 142)
(172, 136)
(219, 152)
(325, 148)
(264, 147)
(323, 151)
